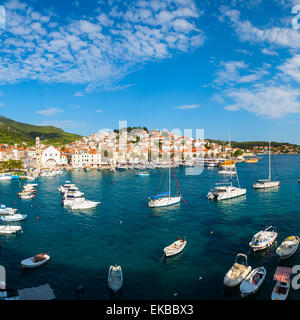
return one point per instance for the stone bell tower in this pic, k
(38, 153)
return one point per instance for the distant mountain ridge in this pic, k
(12, 132)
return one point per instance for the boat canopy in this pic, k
(283, 274)
(158, 196)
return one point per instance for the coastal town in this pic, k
(122, 149)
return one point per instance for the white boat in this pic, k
(253, 281)
(84, 204)
(67, 187)
(263, 239)
(26, 195)
(226, 172)
(175, 247)
(226, 190)
(68, 199)
(164, 199)
(267, 183)
(288, 247)
(115, 278)
(238, 272)
(30, 185)
(35, 261)
(9, 229)
(282, 287)
(142, 174)
(13, 217)
(5, 210)
(48, 174)
(5, 177)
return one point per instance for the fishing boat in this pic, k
(5, 210)
(238, 272)
(175, 248)
(115, 278)
(35, 261)
(282, 287)
(263, 239)
(165, 198)
(226, 190)
(142, 174)
(5, 176)
(13, 217)
(253, 281)
(266, 183)
(9, 229)
(288, 247)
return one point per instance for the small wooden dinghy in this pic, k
(175, 247)
(35, 261)
(237, 272)
(282, 287)
(115, 278)
(288, 247)
(9, 229)
(253, 281)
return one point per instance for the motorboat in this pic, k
(282, 277)
(142, 174)
(226, 172)
(253, 281)
(115, 278)
(84, 204)
(175, 247)
(9, 229)
(13, 217)
(263, 239)
(48, 174)
(238, 272)
(267, 183)
(35, 261)
(69, 199)
(288, 247)
(228, 164)
(226, 192)
(26, 195)
(5, 210)
(165, 199)
(66, 187)
(251, 160)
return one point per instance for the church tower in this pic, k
(38, 153)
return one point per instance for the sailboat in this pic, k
(226, 190)
(165, 198)
(266, 183)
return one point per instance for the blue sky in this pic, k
(213, 65)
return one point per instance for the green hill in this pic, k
(12, 132)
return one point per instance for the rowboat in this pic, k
(282, 287)
(238, 272)
(9, 229)
(253, 281)
(175, 247)
(13, 217)
(115, 278)
(288, 247)
(35, 261)
(263, 239)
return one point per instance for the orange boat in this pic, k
(252, 160)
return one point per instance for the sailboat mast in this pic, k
(269, 160)
(230, 158)
(170, 179)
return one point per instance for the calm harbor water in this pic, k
(123, 230)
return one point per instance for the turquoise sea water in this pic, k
(123, 230)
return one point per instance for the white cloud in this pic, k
(99, 110)
(269, 101)
(78, 94)
(187, 107)
(98, 50)
(269, 52)
(292, 67)
(49, 111)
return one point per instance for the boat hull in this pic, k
(164, 202)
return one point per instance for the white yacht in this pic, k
(266, 183)
(226, 190)
(164, 199)
(82, 203)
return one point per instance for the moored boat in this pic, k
(13, 217)
(263, 239)
(5, 210)
(175, 248)
(9, 229)
(288, 247)
(238, 272)
(35, 261)
(253, 281)
(115, 278)
(282, 287)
